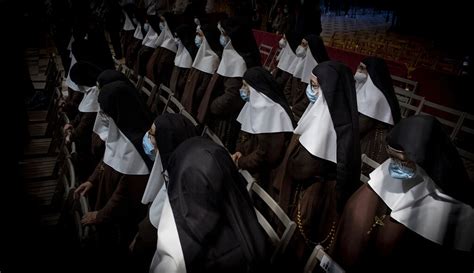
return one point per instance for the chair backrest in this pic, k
(265, 53)
(189, 117)
(371, 163)
(135, 79)
(174, 106)
(464, 138)
(273, 63)
(405, 84)
(148, 91)
(450, 118)
(279, 242)
(410, 104)
(124, 69)
(161, 100)
(318, 256)
(209, 133)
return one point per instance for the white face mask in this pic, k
(177, 41)
(282, 43)
(301, 51)
(146, 27)
(360, 77)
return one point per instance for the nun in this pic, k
(160, 65)
(121, 177)
(134, 46)
(378, 106)
(208, 222)
(149, 43)
(80, 129)
(129, 25)
(308, 59)
(416, 212)
(184, 38)
(165, 135)
(266, 125)
(221, 104)
(321, 167)
(285, 67)
(204, 66)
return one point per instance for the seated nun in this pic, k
(416, 212)
(149, 43)
(80, 129)
(137, 39)
(221, 103)
(184, 38)
(267, 125)
(321, 168)
(204, 66)
(378, 106)
(164, 136)
(120, 179)
(129, 25)
(285, 68)
(160, 65)
(308, 59)
(208, 223)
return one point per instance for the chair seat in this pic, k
(37, 116)
(37, 147)
(37, 129)
(37, 168)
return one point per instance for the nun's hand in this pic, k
(82, 189)
(89, 218)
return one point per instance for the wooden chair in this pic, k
(148, 91)
(265, 55)
(371, 163)
(410, 104)
(279, 242)
(450, 118)
(318, 256)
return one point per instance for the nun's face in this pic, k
(362, 68)
(304, 43)
(151, 135)
(313, 81)
(400, 157)
(246, 87)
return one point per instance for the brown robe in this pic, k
(143, 56)
(282, 78)
(71, 105)
(221, 105)
(295, 91)
(160, 65)
(81, 135)
(126, 38)
(306, 189)
(391, 247)
(118, 200)
(372, 138)
(196, 85)
(178, 80)
(132, 52)
(261, 154)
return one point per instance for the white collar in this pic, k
(421, 206)
(120, 153)
(317, 131)
(206, 59)
(232, 64)
(305, 67)
(151, 38)
(286, 58)
(70, 83)
(166, 39)
(90, 103)
(128, 23)
(372, 102)
(183, 59)
(138, 33)
(168, 255)
(262, 115)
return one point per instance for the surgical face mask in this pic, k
(301, 51)
(146, 27)
(162, 26)
(177, 41)
(311, 94)
(244, 94)
(360, 77)
(282, 43)
(148, 147)
(398, 171)
(198, 41)
(223, 40)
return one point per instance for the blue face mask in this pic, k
(223, 40)
(162, 26)
(311, 94)
(148, 147)
(198, 41)
(398, 171)
(243, 94)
